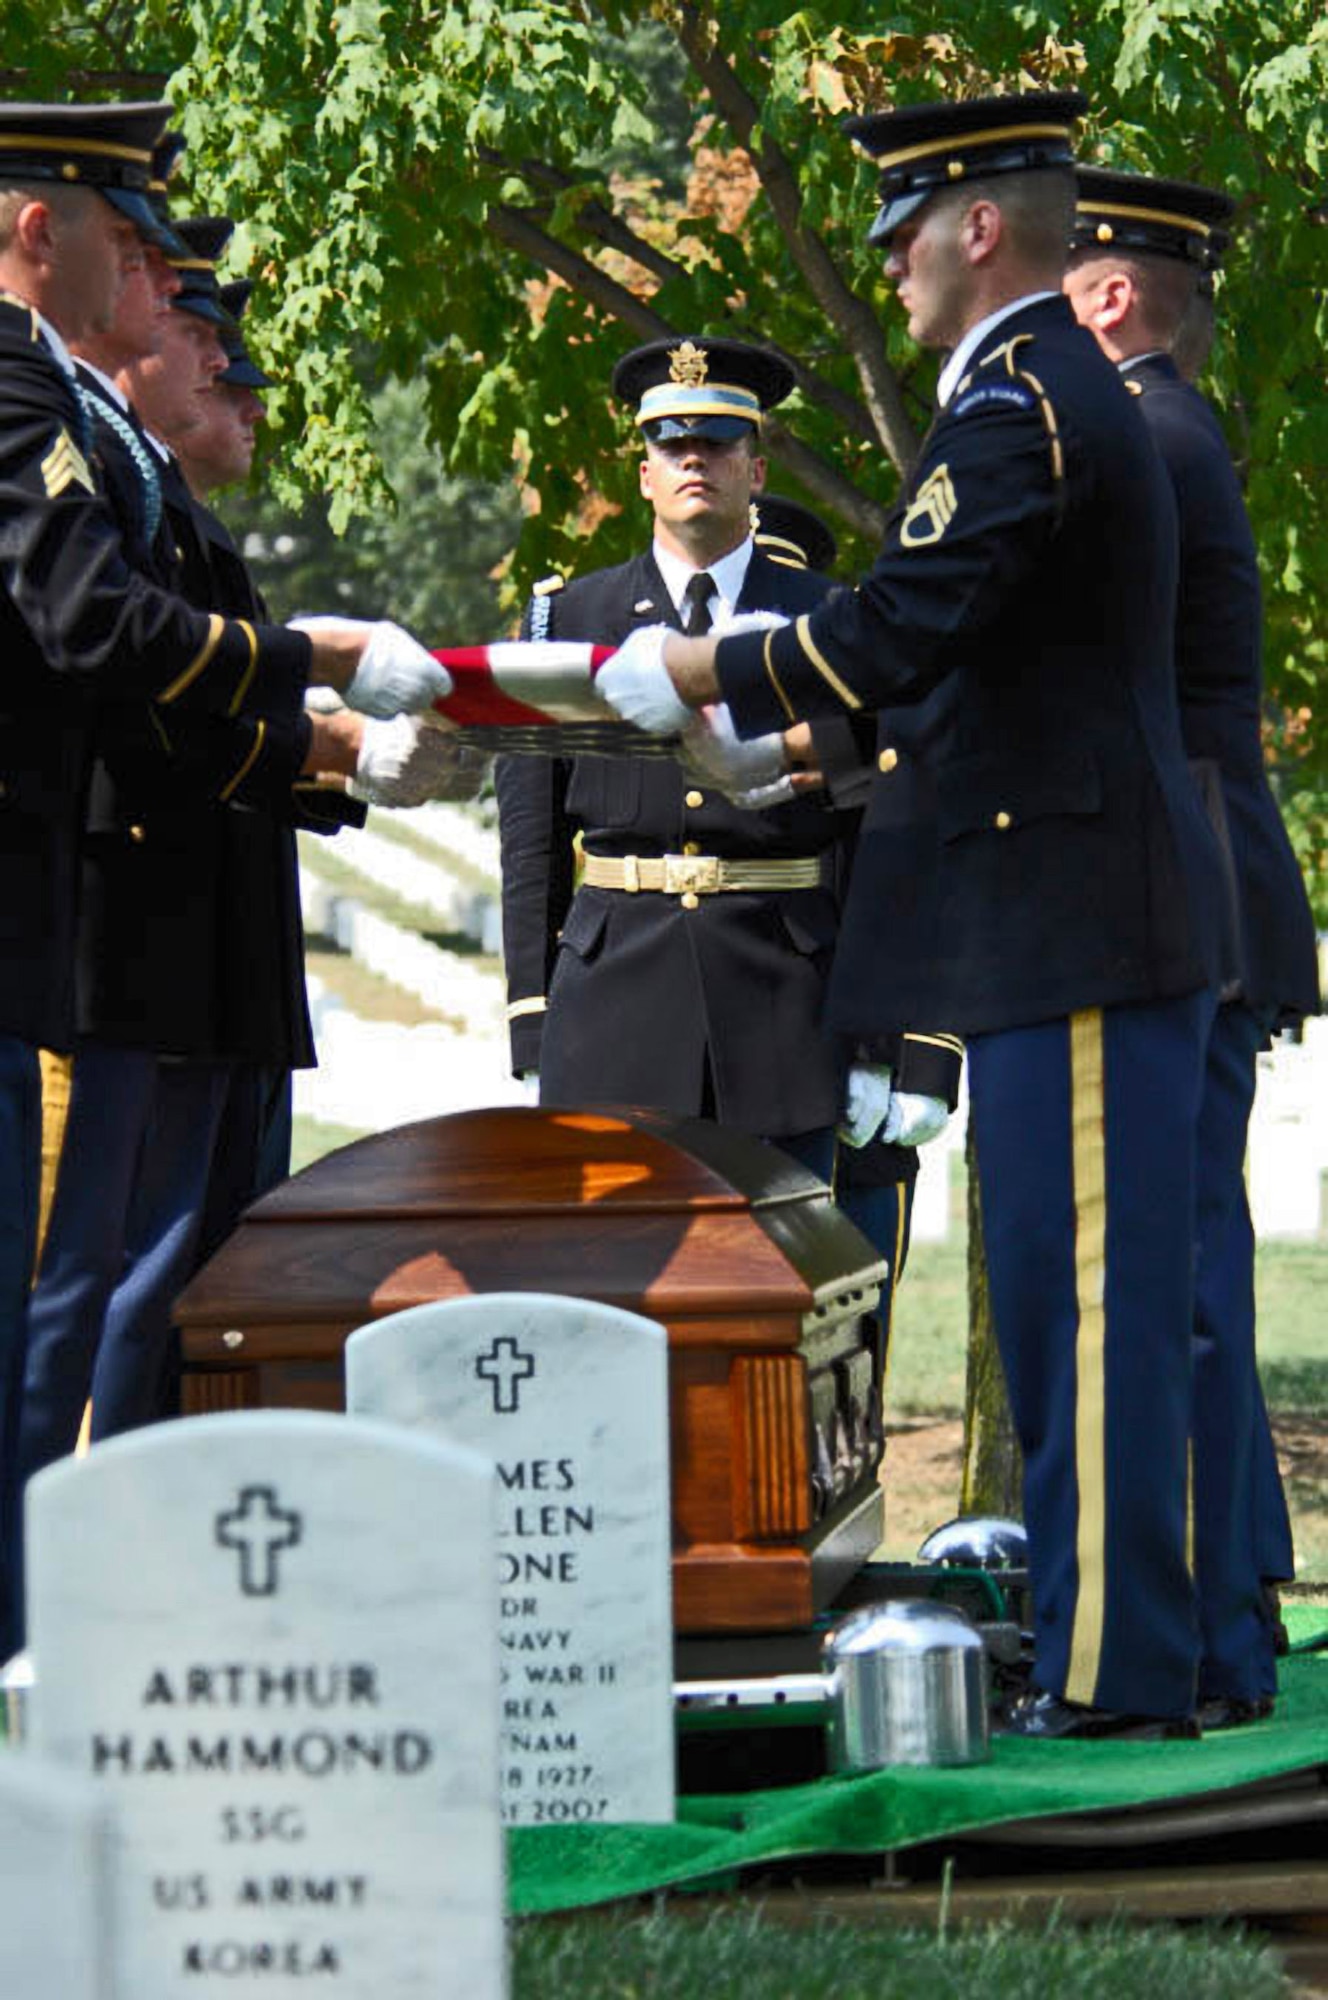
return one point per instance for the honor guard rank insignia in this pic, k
(688, 365)
(64, 465)
(930, 511)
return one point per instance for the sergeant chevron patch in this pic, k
(64, 465)
(930, 512)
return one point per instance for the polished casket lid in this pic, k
(634, 1207)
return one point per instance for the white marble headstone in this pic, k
(56, 1907)
(288, 1692)
(571, 1399)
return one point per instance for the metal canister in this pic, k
(907, 1683)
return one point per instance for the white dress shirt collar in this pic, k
(55, 342)
(112, 388)
(727, 575)
(953, 372)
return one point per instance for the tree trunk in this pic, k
(993, 1469)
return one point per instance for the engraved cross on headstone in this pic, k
(258, 1528)
(505, 1367)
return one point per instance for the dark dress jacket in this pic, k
(190, 939)
(75, 623)
(1220, 683)
(644, 997)
(1034, 843)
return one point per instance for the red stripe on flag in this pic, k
(476, 700)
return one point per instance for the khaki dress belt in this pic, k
(696, 874)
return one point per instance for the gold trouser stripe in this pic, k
(216, 626)
(517, 1009)
(255, 750)
(246, 679)
(775, 681)
(1088, 1132)
(901, 1226)
(1189, 1508)
(57, 1078)
(822, 665)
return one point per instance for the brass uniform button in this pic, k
(691, 847)
(1003, 822)
(690, 901)
(887, 760)
(138, 835)
(694, 799)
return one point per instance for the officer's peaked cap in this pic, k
(205, 238)
(923, 148)
(790, 533)
(241, 370)
(706, 387)
(108, 147)
(1116, 211)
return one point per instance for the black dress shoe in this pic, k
(1229, 1711)
(1272, 1604)
(1052, 1718)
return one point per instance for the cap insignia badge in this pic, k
(688, 365)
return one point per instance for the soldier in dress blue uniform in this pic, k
(874, 1176)
(81, 627)
(1053, 890)
(693, 984)
(1142, 248)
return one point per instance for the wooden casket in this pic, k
(763, 1286)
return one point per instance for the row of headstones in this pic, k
(294, 1673)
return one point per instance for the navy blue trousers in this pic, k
(1086, 1135)
(814, 1150)
(120, 1244)
(1237, 1488)
(20, 1190)
(884, 1215)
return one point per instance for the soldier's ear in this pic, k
(1116, 295)
(643, 471)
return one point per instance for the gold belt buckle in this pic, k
(691, 874)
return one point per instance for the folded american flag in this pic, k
(537, 697)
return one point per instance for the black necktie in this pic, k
(696, 605)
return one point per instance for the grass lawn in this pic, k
(741, 1954)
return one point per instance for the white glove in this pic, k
(636, 682)
(404, 762)
(748, 621)
(760, 798)
(529, 1083)
(913, 1120)
(395, 674)
(867, 1096)
(715, 751)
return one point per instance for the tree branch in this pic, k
(510, 226)
(598, 221)
(855, 321)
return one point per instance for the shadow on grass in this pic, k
(1297, 1390)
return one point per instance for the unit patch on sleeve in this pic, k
(1015, 394)
(930, 511)
(64, 465)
